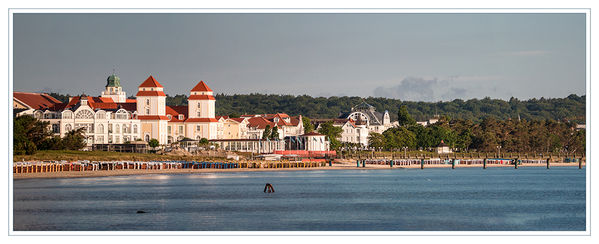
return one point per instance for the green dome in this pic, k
(113, 81)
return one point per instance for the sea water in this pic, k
(464, 199)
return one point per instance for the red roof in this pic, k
(201, 87)
(150, 82)
(259, 122)
(36, 100)
(131, 100)
(201, 120)
(201, 97)
(96, 103)
(175, 111)
(152, 117)
(150, 94)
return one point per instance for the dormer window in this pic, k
(181, 117)
(169, 116)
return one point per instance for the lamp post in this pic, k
(405, 152)
(498, 151)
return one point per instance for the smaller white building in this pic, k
(443, 148)
(315, 142)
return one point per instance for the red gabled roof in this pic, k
(150, 94)
(201, 87)
(36, 100)
(201, 120)
(150, 82)
(175, 111)
(259, 122)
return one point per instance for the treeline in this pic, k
(571, 108)
(490, 135)
(31, 134)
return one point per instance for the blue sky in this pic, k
(417, 57)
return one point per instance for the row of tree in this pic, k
(489, 135)
(571, 108)
(31, 135)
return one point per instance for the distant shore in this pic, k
(336, 166)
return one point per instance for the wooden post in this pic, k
(484, 163)
(515, 163)
(580, 163)
(422, 163)
(548, 163)
(453, 163)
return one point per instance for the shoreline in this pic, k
(127, 172)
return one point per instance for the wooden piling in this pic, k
(515, 163)
(580, 163)
(453, 163)
(548, 159)
(484, 163)
(422, 163)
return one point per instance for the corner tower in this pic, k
(114, 90)
(151, 110)
(201, 111)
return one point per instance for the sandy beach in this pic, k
(336, 166)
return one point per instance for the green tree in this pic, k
(376, 140)
(29, 134)
(74, 139)
(332, 132)
(404, 118)
(274, 134)
(153, 143)
(267, 132)
(203, 141)
(308, 127)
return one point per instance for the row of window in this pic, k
(89, 128)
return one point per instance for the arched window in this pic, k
(125, 129)
(117, 129)
(84, 114)
(134, 129)
(100, 128)
(101, 115)
(68, 127)
(147, 138)
(147, 101)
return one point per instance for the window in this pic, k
(117, 139)
(100, 128)
(181, 117)
(180, 129)
(147, 101)
(147, 138)
(199, 113)
(134, 129)
(109, 128)
(147, 111)
(168, 129)
(198, 128)
(68, 127)
(169, 116)
(117, 129)
(55, 128)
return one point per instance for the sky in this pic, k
(409, 56)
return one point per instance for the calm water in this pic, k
(337, 200)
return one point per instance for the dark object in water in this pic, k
(269, 187)
(141, 211)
